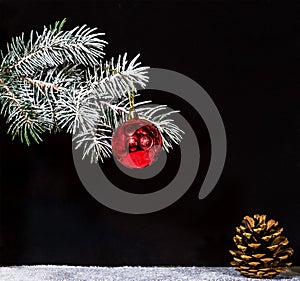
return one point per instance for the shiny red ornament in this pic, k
(136, 143)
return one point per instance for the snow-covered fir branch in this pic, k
(57, 81)
(54, 47)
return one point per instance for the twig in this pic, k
(4, 85)
(42, 84)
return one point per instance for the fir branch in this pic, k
(57, 81)
(76, 109)
(21, 116)
(53, 48)
(14, 101)
(96, 145)
(95, 139)
(116, 78)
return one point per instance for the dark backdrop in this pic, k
(245, 54)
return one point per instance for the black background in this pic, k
(245, 54)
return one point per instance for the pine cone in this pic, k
(261, 250)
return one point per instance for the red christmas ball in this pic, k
(136, 143)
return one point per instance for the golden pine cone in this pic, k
(261, 251)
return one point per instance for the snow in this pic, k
(80, 273)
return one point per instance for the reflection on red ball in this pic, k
(136, 143)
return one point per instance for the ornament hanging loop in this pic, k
(131, 96)
(132, 114)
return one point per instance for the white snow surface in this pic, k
(93, 273)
